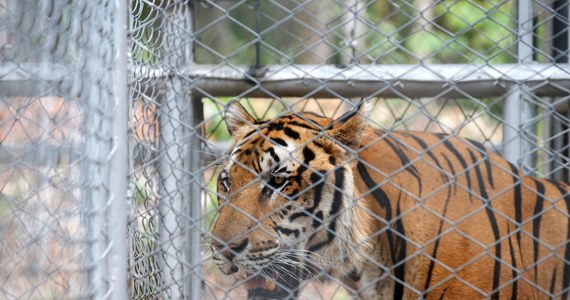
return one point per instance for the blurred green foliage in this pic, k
(387, 32)
(215, 126)
(145, 32)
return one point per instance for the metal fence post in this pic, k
(512, 119)
(517, 109)
(195, 160)
(119, 161)
(558, 126)
(174, 130)
(96, 126)
(172, 194)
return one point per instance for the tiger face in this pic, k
(286, 197)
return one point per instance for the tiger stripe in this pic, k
(400, 244)
(408, 167)
(459, 157)
(335, 208)
(553, 282)
(426, 149)
(382, 199)
(536, 221)
(493, 223)
(517, 200)
(565, 194)
(437, 242)
(514, 272)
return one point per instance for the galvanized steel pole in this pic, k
(118, 164)
(517, 109)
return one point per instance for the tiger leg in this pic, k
(369, 283)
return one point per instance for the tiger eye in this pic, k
(276, 181)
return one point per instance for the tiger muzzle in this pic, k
(270, 284)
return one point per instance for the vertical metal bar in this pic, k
(93, 203)
(525, 52)
(119, 160)
(175, 190)
(566, 173)
(560, 47)
(257, 8)
(94, 128)
(524, 31)
(511, 127)
(528, 142)
(172, 196)
(195, 160)
(557, 144)
(350, 32)
(517, 109)
(560, 42)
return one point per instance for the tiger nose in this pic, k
(228, 250)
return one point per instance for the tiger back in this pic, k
(390, 214)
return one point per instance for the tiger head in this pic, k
(286, 197)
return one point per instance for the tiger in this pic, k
(387, 214)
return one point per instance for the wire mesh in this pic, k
(56, 108)
(283, 56)
(450, 67)
(494, 72)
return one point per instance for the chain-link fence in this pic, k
(58, 141)
(73, 147)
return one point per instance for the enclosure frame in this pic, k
(515, 82)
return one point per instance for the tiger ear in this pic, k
(238, 120)
(349, 127)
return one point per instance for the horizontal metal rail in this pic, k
(36, 154)
(49, 155)
(301, 81)
(411, 81)
(35, 79)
